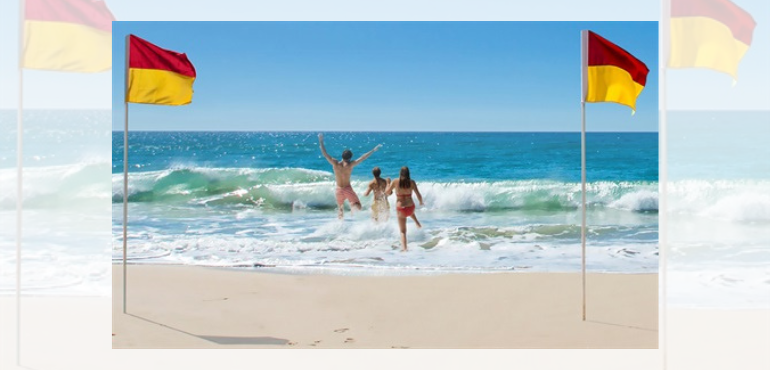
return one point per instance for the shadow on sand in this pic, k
(263, 341)
(620, 325)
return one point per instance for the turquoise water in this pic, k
(66, 236)
(493, 201)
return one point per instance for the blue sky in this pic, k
(387, 76)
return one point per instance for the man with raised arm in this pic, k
(342, 172)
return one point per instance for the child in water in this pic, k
(380, 205)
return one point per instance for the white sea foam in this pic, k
(79, 184)
(637, 201)
(359, 242)
(745, 207)
(726, 200)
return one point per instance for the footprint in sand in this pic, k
(315, 343)
(399, 347)
(342, 330)
(349, 340)
(291, 343)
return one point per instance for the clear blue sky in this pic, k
(387, 76)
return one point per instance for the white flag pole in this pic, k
(584, 81)
(664, 51)
(19, 178)
(125, 177)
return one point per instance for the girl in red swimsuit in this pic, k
(404, 186)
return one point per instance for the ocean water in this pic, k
(66, 236)
(718, 210)
(493, 201)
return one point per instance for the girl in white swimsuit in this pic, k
(380, 205)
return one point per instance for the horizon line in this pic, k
(397, 132)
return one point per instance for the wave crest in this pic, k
(299, 188)
(726, 200)
(80, 185)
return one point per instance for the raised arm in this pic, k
(363, 157)
(329, 158)
(417, 192)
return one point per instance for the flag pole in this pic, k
(584, 82)
(665, 50)
(125, 176)
(19, 178)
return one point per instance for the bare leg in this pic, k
(402, 227)
(340, 210)
(415, 221)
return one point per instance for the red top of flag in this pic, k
(740, 22)
(91, 13)
(145, 55)
(603, 52)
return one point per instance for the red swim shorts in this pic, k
(346, 193)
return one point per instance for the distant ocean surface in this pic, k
(493, 201)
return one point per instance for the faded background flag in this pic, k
(713, 34)
(67, 35)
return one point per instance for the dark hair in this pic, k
(376, 172)
(404, 181)
(347, 154)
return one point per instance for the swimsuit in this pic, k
(380, 208)
(346, 193)
(380, 205)
(405, 211)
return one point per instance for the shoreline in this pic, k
(373, 270)
(210, 307)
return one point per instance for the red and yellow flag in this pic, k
(712, 34)
(67, 35)
(612, 74)
(158, 76)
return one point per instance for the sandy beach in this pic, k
(196, 307)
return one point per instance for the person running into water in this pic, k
(342, 171)
(380, 205)
(404, 186)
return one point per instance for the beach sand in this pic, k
(197, 307)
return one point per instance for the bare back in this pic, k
(379, 188)
(343, 168)
(403, 195)
(342, 172)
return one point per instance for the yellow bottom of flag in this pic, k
(154, 86)
(67, 47)
(612, 84)
(701, 42)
